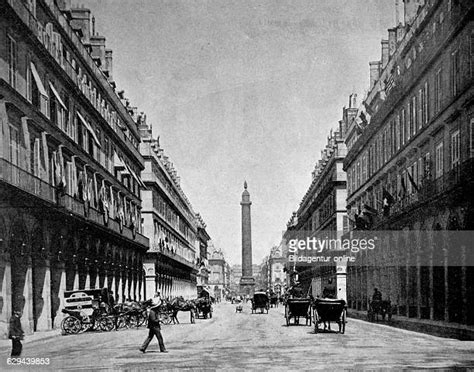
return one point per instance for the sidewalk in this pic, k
(431, 327)
(36, 336)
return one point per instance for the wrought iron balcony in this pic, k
(35, 186)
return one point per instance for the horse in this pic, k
(384, 308)
(274, 301)
(180, 304)
(131, 313)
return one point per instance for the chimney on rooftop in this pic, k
(385, 53)
(108, 68)
(392, 40)
(411, 8)
(80, 22)
(374, 72)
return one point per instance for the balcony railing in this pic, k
(35, 186)
(157, 248)
(26, 181)
(461, 175)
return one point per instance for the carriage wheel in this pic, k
(71, 325)
(142, 317)
(121, 322)
(165, 318)
(106, 324)
(343, 322)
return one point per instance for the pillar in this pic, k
(120, 288)
(75, 285)
(87, 283)
(5, 295)
(43, 321)
(58, 286)
(27, 321)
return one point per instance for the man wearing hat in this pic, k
(154, 325)
(16, 333)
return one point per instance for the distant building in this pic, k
(219, 274)
(202, 261)
(276, 264)
(322, 214)
(169, 220)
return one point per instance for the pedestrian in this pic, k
(16, 333)
(154, 329)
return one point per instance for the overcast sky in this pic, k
(243, 90)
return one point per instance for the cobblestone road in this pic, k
(242, 341)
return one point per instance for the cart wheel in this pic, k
(71, 325)
(343, 320)
(106, 324)
(142, 318)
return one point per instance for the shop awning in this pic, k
(58, 97)
(38, 81)
(89, 128)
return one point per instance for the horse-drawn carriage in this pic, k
(379, 307)
(203, 308)
(86, 310)
(296, 308)
(260, 301)
(326, 310)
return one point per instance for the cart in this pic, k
(260, 301)
(296, 308)
(327, 310)
(203, 308)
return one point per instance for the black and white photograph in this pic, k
(236, 185)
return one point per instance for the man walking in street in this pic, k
(154, 326)
(16, 333)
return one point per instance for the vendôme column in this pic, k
(247, 281)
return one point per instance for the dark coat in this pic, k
(15, 330)
(153, 319)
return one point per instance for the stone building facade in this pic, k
(322, 214)
(169, 221)
(410, 168)
(219, 277)
(69, 166)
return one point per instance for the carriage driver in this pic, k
(377, 296)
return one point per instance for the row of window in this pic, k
(60, 169)
(167, 240)
(405, 124)
(414, 176)
(166, 211)
(61, 111)
(157, 171)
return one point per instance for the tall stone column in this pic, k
(247, 282)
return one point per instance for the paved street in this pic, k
(244, 341)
